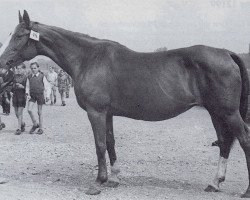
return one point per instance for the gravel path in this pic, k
(171, 159)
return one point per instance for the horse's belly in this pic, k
(152, 112)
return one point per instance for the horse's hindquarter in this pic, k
(154, 86)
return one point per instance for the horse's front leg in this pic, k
(98, 123)
(113, 180)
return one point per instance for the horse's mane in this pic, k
(81, 36)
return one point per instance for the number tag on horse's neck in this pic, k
(34, 35)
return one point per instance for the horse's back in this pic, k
(155, 86)
(161, 85)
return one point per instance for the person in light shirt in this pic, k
(52, 79)
(37, 86)
(63, 82)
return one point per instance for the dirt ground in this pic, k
(171, 159)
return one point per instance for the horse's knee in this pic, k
(225, 147)
(244, 137)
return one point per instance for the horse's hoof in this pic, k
(93, 191)
(111, 184)
(211, 188)
(246, 195)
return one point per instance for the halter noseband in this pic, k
(33, 35)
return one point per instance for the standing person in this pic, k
(69, 83)
(6, 78)
(62, 85)
(6, 101)
(52, 79)
(2, 125)
(19, 97)
(36, 86)
(6, 94)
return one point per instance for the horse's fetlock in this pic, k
(115, 169)
(102, 178)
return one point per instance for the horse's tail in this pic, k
(245, 85)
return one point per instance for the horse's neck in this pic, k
(65, 48)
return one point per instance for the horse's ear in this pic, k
(26, 18)
(20, 17)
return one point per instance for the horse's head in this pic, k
(21, 44)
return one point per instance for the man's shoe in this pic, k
(2, 125)
(23, 127)
(39, 132)
(18, 132)
(34, 127)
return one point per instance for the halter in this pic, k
(34, 28)
(33, 39)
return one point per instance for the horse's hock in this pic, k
(248, 109)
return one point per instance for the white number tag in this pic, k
(34, 35)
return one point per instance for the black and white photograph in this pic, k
(124, 99)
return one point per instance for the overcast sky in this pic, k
(142, 25)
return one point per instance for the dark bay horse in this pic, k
(112, 80)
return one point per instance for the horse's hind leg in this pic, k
(225, 141)
(236, 127)
(241, 131)
(113, 180)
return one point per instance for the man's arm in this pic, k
(27, 88)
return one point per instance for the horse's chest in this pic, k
(91, 93)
